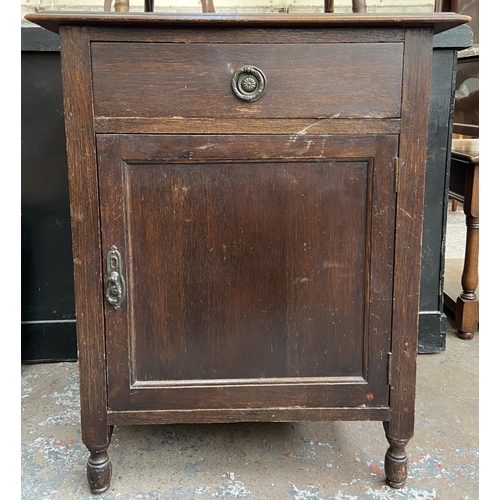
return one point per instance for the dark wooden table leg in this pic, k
(467, 308)
(396, 459)
(99, 469)
(98, 464)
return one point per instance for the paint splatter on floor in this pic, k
(257, 461)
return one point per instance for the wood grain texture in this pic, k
(114, 234)
(254, 35)
(247, 397)
(85, 227)
(270, 271)
(465, 157)
(99, 470)
(396, 463)
(219, 275)
(223, 147)
(436, 21)
(466, 150)
(180, 125)
(383, 214)
(194, 80)
(409, 223)
(246, 415)
(244, 253)
(466, 129)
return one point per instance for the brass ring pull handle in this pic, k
(249, 84)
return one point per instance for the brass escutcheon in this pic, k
(249, 84)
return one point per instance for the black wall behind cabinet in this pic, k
(48, 314)
(432, 321)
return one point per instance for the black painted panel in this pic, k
(46, 259)
(48, 342)
(432, 332)
(35, 39)
(435, 182)
(432, 324)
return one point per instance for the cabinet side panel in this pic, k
(409, 222)
(84, 201)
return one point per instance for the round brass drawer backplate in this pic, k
(249, 84)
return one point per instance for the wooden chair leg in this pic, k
(207, 6)
(467, 308)
(122, 5)
(328, 5)
(357, 5)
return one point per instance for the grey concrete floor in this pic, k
(299, 461)
(295, 461)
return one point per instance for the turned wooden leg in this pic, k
(99, 464)
(467, 308)
(396, 463)
(99, 469)
(396, 459)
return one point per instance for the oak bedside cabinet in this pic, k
(246, 204)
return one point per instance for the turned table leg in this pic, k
(467, 307)
(99, 469)
(99, 466)
(396, 459)
(396, 463)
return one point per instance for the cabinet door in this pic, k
(257, 270)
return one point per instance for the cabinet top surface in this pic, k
(53, 20)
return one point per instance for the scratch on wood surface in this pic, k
(328, 263)
(290, 177)
(300, 280)
(305, 129)
(407, 213)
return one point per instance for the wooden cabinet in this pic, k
(247, 196)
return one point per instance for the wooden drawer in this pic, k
(334, 80)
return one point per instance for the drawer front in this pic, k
(342, 80)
